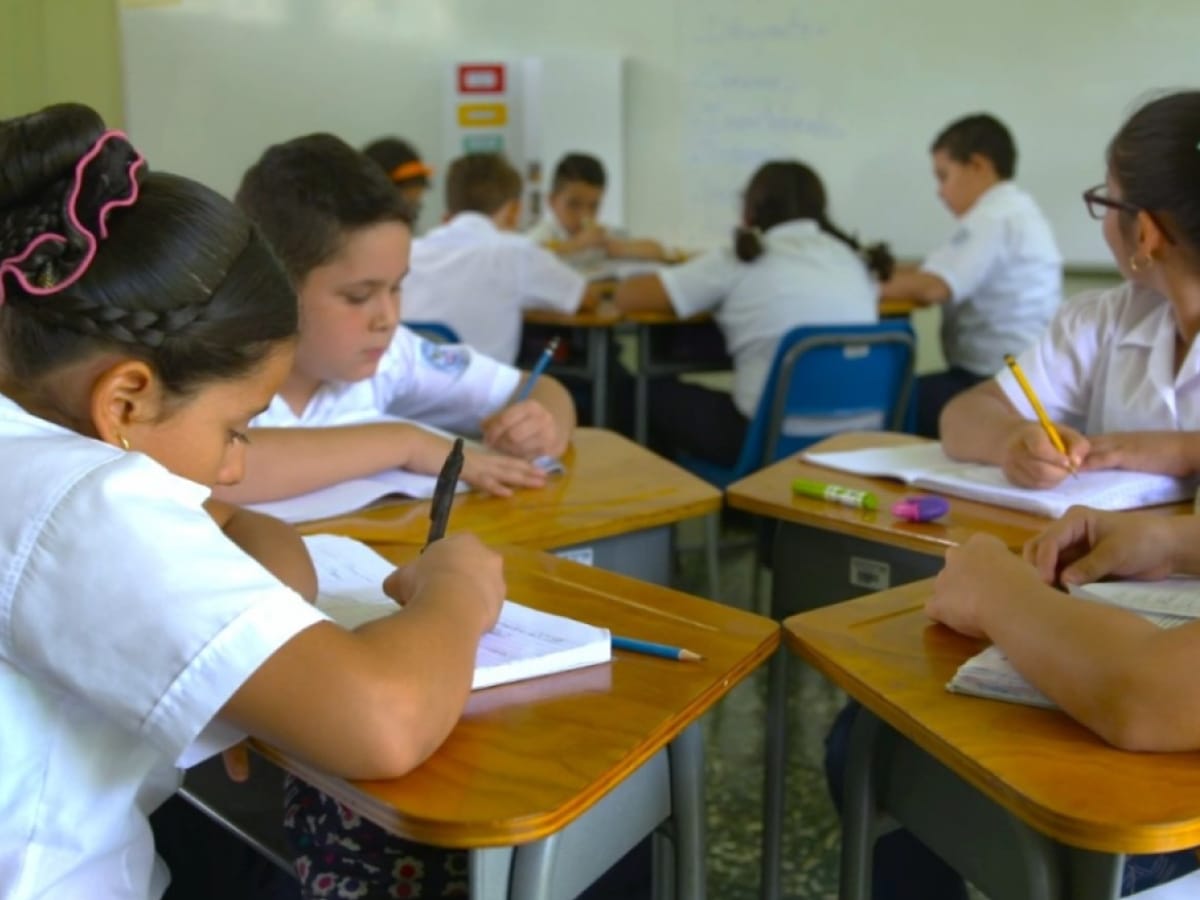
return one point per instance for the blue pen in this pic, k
(651, 649)
(538, 369)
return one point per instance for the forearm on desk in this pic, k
(284, 462)
(1123, 677)
(976, 424)
(924, 287)
(373, 703)
(642, 293)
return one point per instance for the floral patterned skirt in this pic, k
(339, 854)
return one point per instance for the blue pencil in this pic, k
(651, 649)
(538, 369)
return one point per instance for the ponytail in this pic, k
(876, 257)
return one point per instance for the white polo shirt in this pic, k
(127, 620)
(1005, 277)
(804, 277)
(548, 229)
(447, 385)
(478, 279)
(1107, 363)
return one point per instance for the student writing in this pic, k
(787, 266)
(476, 274)
(1117, 370)
(342, 234)
(998, 279)
(570, 225)
(143, 322)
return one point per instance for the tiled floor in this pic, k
(735, 757)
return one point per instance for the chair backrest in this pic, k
(831, 378)
(438, 332)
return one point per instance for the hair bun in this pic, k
(61, 174)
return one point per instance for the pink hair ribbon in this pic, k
(12, 265)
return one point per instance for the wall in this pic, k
(857, 87)
(57, 50)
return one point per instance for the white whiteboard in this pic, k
(857, 88)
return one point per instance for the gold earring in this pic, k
(124, 442)
(1133, 263)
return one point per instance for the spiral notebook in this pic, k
(925, 466)
(525, 642)
(1168, 604)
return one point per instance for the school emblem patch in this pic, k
(452, 358)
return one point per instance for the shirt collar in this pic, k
(473, 222)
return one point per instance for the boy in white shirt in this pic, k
(342, 233)
(570, 227)
(475, 274)
(999, 277)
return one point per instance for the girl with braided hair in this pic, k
(144, 626)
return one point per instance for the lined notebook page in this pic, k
(524, 643)
(926, 466)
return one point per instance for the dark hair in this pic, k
(1155, 158)
(481, 182)
(982, 134)
(182, 281)
(305, 195)
(786, 190)
(578, 167)
(389, 153)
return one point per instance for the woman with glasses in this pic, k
(1116, 371)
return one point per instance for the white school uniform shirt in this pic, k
(590, 261)
(1004, 272)
(1107, 364)
(127, 620)
(478, 280)
(448, 385)
(804, 277)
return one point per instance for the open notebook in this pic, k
(1168, 604)
(925, 465)
(524, 644)
(357, 493)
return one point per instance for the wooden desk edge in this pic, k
(1161, 838)
(535, 826)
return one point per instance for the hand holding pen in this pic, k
(1040, 453)
(527, 427)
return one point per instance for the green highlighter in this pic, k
(835, 493)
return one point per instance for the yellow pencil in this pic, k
(1040, 410)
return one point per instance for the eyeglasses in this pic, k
(1098, 204)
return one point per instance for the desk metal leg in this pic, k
(641, 427)
(1094, 876)
(775, 776)
(489, 872)
(859, 804)
(686, 755)
(598, 346)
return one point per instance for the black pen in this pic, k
(443, 493)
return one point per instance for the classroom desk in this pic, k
(597, 325)
(614, 506)
(548, 782)
(1051, 807)
(650, 366)
(898, 307)
(825, 553)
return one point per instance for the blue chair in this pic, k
(438, 332)
(824, 379)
